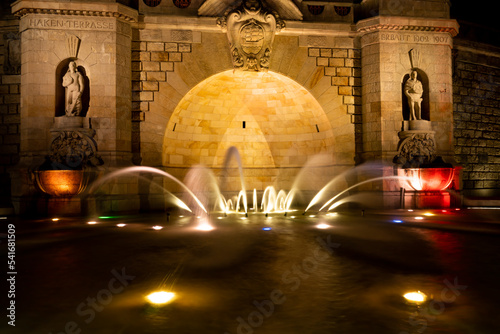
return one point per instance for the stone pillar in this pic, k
(391, 47)
(97, 37)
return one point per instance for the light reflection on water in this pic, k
(238, 278)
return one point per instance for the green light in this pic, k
(108, 217)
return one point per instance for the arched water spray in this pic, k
(365, 169)
(280, 204)
(233, 152)
(268, 199)
(357, 185)
(316, 161)
(203, 184)
(140, 169)
(255, 205)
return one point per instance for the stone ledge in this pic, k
(407, 24)
(23, 7)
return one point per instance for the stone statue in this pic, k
(413, 90)
(74, 84)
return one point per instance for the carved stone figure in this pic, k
(413, 90)
(74, 84)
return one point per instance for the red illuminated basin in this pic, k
(61, 182)
(426, 179)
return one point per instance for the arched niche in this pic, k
(61, 70)
(425, 112)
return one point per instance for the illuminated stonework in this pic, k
(272, 120)
(250, 29)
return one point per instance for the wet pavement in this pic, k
(349, 277)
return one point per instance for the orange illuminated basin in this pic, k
(61, 182)
(426, 179)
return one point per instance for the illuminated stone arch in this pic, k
(272, 120)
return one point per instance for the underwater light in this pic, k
(266, 229)
(428, 214)
(204, 227)
(312, 216)
(331, 214)
(397, 221)
(416, 298)
(419, 218)
(160, 297)
(121, 225)
(157, 227)
(92, 222)
(55, 219)
(322, 226)
(293, 217)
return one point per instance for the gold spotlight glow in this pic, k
(55, 219)
(204, 226)
(322, 226)
(92, 222)
(121, 225)
(160, 297)
(157, 227)
(415, 297)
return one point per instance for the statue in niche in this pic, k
(413, 90)
(74, 84)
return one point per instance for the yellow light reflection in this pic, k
(204, 226)
(160, 297)
(121, 225)
(55, 219)
(322, 226)
(157, 227)
(92, 223)
(416, 298)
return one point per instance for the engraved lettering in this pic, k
(69, 24)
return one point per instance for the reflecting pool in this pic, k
(314, 273)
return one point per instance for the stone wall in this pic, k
(10, 79)
(476, 97)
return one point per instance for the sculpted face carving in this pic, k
(250, 29)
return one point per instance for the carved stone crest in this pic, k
(74, 149)
(250, 29)
(415, 148)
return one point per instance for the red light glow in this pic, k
(427, 179)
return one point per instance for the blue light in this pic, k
(266, 229)
(397, 221)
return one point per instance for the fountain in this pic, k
(203, 192)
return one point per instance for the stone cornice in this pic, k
(23, 7)
(407, 24)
